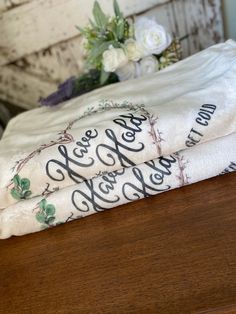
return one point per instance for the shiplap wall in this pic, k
(40, 45)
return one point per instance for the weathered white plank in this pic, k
(65, 59)
(57, 62)
(205, 28)
(42, 23)
(23, 89)
(10, 4)
(199, 21)
(37, 74)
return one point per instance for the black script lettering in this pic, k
(77, 178)
(193, 138)
(110, 181)
(158, 176)
(84, 143)
(72, 161)
(91, 199)
(141, 188)
(210, 106)
(123, 159)
(129, 135)
(204, 116)
(230, 168)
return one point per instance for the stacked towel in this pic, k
(120, 143)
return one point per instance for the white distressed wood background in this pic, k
(40, 45)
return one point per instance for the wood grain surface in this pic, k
(172, 253)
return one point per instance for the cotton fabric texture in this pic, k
(120, 143)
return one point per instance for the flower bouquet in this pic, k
(118, 49)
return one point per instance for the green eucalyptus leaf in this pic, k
(81, 30)
(104, 77)
(99, 17)
(96, 42)
(15, 194)
(50, 210)
(27, 194)
(16, 180)
(120, 29)
(42, 204)
(92, 24)
(40, 216)
(50, 220)
(97, 51)
(25, 184)
(117, 9)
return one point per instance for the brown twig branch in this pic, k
(64, 138)
(182, 164)
(155, 134)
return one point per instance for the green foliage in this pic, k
(21, 189)
(25, 184)
(104, 77)
(92, 80)
(171, 55)
(98, 49)
(46, 215)
(117, 10)
(100, 18)
(101, 33)
(40, 216)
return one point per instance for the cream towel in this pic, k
(49, 150)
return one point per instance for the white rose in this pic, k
(133, 51)
(128, 72)
(150, 36)
(148, 65)
(114, 58)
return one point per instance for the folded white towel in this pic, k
(119, 187)
(117, 127)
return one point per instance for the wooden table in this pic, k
(173, 253)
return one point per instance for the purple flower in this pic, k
(64, 92)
